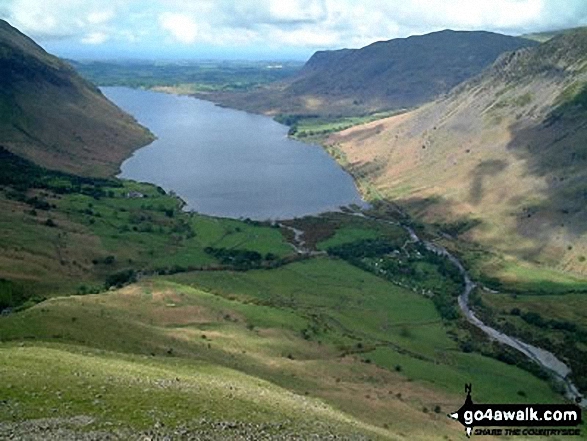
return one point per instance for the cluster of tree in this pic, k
(574, 338)
(355, 252)
(458, 227)
(535, 319)
(293, 121)
(22, 175)
(362, 248)
(15, 297)
(240, 259)
(11, 294)
(373, 255)
(446, 305)
(121, 278)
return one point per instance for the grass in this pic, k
(140, 393)
(190, 77)
(514, 275)
(319, 328)
(493, 382)
(138, 326)
(116, 356)
(570, 307)
(61, 233)
(314, 126)
(348, 306)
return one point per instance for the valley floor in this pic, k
(126, 317)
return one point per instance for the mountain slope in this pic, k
(503, 156)
(541, 37)
(394, 74)
(50, 115)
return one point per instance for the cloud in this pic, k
(297, 11)
(85, 21)
(180, 26)
(98, 17)
(95, 38)
(303, 37)
(277, 24)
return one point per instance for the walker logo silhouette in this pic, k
(561, 416)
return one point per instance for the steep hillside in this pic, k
(501, 160)
(50, 115)
(386, 75)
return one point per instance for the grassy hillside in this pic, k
(131, 397)
(497, 171)
(386, 75)
(227, 314)
(66, 234)
(50, 115)
(499, 162)
(196, 359)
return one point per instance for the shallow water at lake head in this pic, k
(228, 163)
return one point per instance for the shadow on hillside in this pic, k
(443, 214)
(484, 170)
(373, 169)
(359, 134)
(555, 150)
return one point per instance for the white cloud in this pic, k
(303, 37)
(309, 24)
(465, 14)
(95, 38)
(297, 10)
(98, 17)
(182, 27)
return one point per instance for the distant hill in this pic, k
(502, 160)
(386, 75)
(52, 116)
(541, 37)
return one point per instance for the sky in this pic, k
(264, 29)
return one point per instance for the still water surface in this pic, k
(229, 163)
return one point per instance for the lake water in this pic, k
(229, 163)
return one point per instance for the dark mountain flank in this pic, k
(52, 116)
(403, 72)
(387, 75)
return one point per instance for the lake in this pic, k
(228, 163)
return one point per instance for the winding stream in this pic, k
(546, 359)
(229, 163)
(559, 370)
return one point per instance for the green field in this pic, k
(315, 127)
(64, 234)
(188, 77)
(555, 322)
(159, 343)
(130, 315)
(363, 314)
(96, 392)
